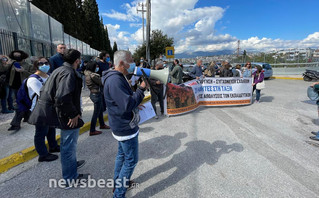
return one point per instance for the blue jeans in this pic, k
(7, 98)
(257, 93)
(68, 144)
(126, 160)
(39, 139)
(98, 112)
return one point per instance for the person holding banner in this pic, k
(123, 113)
(197, 71)
(247, 70)
(258, 78)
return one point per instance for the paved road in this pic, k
(261, 150)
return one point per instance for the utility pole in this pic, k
(148, 30)
(142, 10)
(238, 47)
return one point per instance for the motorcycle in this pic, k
(310, 75)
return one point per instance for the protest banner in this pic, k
(208, 92)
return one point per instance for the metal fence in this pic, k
(25, 27)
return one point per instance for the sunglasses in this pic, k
(42, 63)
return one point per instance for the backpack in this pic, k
(23, 100)
(312, 93)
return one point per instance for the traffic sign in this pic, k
(169, 52)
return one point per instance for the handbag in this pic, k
(260, 85)
(312, 93)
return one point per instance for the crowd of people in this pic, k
(47, 94)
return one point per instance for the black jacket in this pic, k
(59, 99)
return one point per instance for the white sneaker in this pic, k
(156, 117)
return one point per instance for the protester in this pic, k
(211, 70)
(144, 63)
(34, 84)
(197, 71)
(247, 70)
(176, 73)
(104, 62)
(258, 78)
(236, 71)
(165, 65)
(18, 71)
(157, 91)
(316, 137)
(57, 60)
(5, 91)
(94, 83)
(123, 110)
(225, 71)
(59, 106)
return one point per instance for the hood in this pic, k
(108, 73)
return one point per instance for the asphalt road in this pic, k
(260, 150)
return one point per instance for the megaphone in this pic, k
(161, 75)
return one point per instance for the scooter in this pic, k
(310, 75)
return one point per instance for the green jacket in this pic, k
(28, 70)
(176, 75)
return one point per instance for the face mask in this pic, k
(164, 65)
(132, 67)
(108, 59)
(96, 69)
(44, 68)
(141, 60)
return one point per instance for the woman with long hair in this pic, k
(258, 78)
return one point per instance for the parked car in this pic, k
(186, 70)
(266, 67)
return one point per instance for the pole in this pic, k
(142, 4)
(148, 30)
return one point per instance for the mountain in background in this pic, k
(201, 53)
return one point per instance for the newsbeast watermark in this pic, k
(91, 183)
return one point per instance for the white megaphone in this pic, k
(161, 75)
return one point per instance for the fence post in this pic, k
(15, 40)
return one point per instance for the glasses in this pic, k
(42, 63)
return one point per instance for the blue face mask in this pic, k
(132, 68)
(108, 59)
(44, 68)
(97, 69)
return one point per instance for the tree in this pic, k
(158, 43)
(114, 47)
(93, 23)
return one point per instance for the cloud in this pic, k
(193, 28)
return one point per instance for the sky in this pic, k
(215, 25)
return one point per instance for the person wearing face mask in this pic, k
(34, 84)
(59, 106)
(5, 96)
(104, 62)
(94, 83)
(123, 114)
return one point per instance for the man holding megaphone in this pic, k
(122, 105)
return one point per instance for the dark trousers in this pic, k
(98, 111)
(157, 96)
(7, 98)
(39, 139)
(18, 115)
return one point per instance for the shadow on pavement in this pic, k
(162, 146)
(195, 155)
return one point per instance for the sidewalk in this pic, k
(17, 147)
